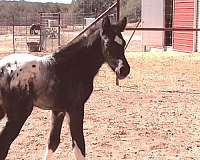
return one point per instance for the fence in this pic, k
(57, 29)
(15, 33)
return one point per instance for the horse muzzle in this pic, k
(122, 72)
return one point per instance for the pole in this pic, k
(41, 28)
(13, 34)
(118, 10)
(98, 18)
(26, 33)
(181, 29)
(59, 26)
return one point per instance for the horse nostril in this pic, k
(108, 45)
(124, 71)
(121, 70)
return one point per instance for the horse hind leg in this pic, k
(54, 137)
(17, 110)
(13, 127)
(2, 113)
(2, 109)
(8, 135)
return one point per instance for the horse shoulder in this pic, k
(28, 73)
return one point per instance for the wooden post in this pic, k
(13, 34)
(41, 28)
(26, 32)
(118, 10)
(118, 17)
(59, 26)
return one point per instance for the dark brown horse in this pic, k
(61, 82)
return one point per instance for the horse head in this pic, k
(113, 46)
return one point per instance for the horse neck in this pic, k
(83, 56)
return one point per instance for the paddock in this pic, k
(153, 114)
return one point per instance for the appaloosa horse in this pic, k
(61, 82)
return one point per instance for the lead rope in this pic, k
(117, 80)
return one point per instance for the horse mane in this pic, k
(80, 42)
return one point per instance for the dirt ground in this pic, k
(153, 114)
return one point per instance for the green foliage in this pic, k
(90, 7)
(131, 9)
(8, 9)
(78, 8)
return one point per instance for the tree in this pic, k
(131, 9)
(21, 9)
(90, 7)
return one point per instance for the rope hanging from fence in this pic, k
(132, 35)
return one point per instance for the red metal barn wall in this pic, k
(184, 16)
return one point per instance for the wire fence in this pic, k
(155, 30)
(57, 29)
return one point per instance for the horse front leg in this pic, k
(54, 137)
(76, 128)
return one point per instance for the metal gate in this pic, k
(50, 31)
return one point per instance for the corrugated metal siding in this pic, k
(184, 11)
(198, 25)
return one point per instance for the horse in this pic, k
(61, 82)
(34, 28)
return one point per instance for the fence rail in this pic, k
(97, 19)
(164, 29)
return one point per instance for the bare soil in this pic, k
(153, 114)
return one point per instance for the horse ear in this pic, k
(122, 24)
(106, 23)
